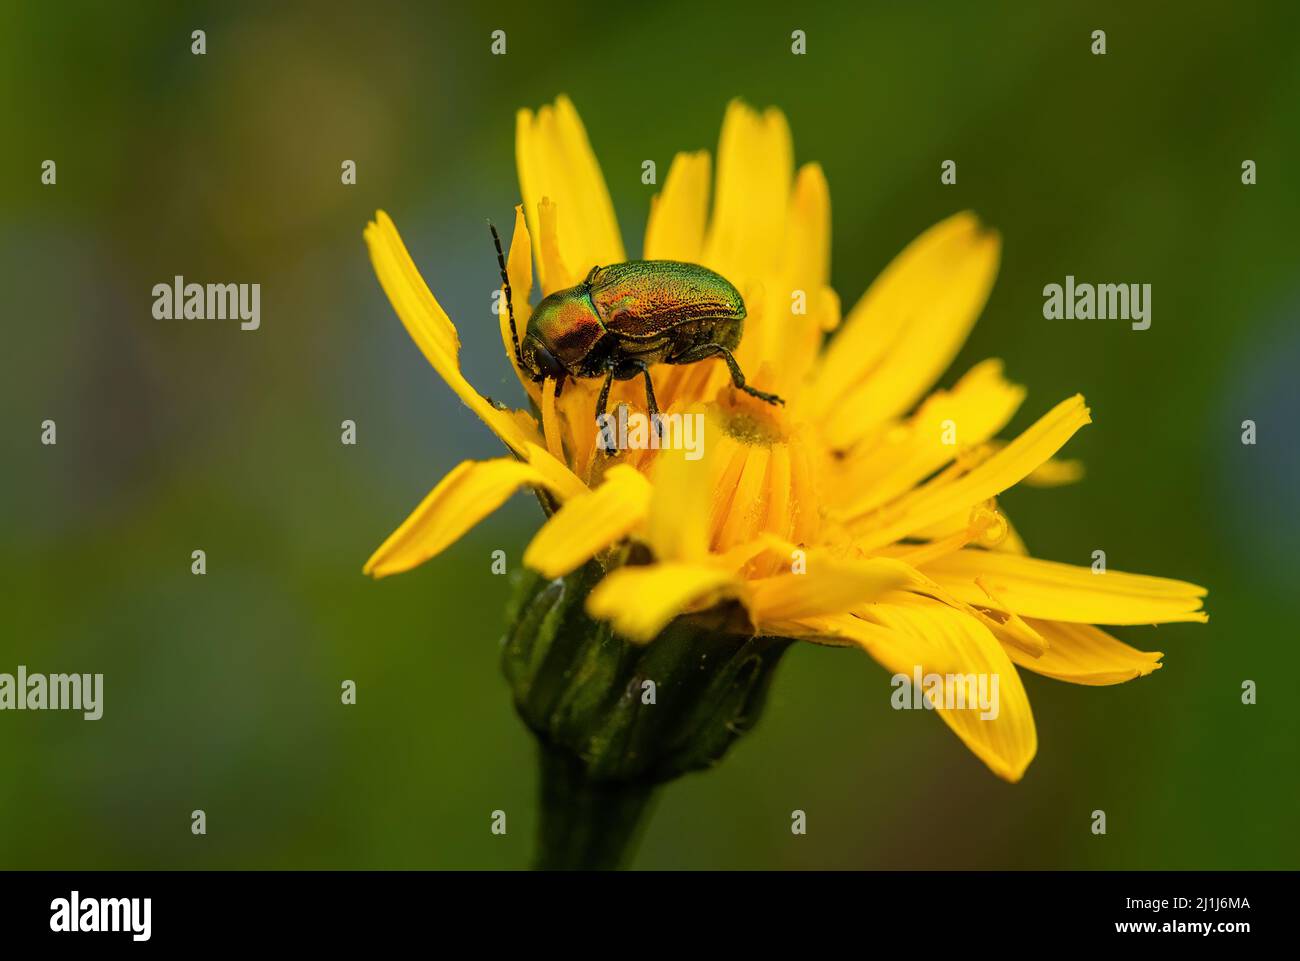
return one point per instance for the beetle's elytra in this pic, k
(625, 317)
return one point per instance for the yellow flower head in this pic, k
(862, 513)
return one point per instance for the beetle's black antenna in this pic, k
(510, 306)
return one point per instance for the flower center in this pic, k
(752, 422)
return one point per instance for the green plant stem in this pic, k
(586, 824)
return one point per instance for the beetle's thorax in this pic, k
(565, 325)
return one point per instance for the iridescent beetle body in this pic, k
(625, 317)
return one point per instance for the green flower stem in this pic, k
(586, 824)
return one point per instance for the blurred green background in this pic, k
(222, 691)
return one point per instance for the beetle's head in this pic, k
(538, 361)
(561, 333)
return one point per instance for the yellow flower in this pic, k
(861, 514)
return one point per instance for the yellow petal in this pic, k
(675, 230)
(555, 160)
(749, 501)
(806, 520)
(947, 423)
(555, 274)
(727, 458)
(1083, 654)
(994, 537)
(943, 497)
(895, 652)
(830, 585)
(464, 497)
(551, 420)
(1056, 473)
(1012, 543)
(750, 205)
(589, 523)
(432, 330)
(640, 601)
(1006, 742)
(677, 528)
(736, 558)
(1010, 628)
(555, 474)
(791, 340)
(1007, 628)
(1062, 592)
(907, 328)
(807, 249)
(779, 494)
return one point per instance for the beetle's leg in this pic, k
(705, 351)
(602, 404)
(591, 274)
(601, 410)
(651, 404)
(559, 385)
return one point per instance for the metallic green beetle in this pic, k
(625, 317)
